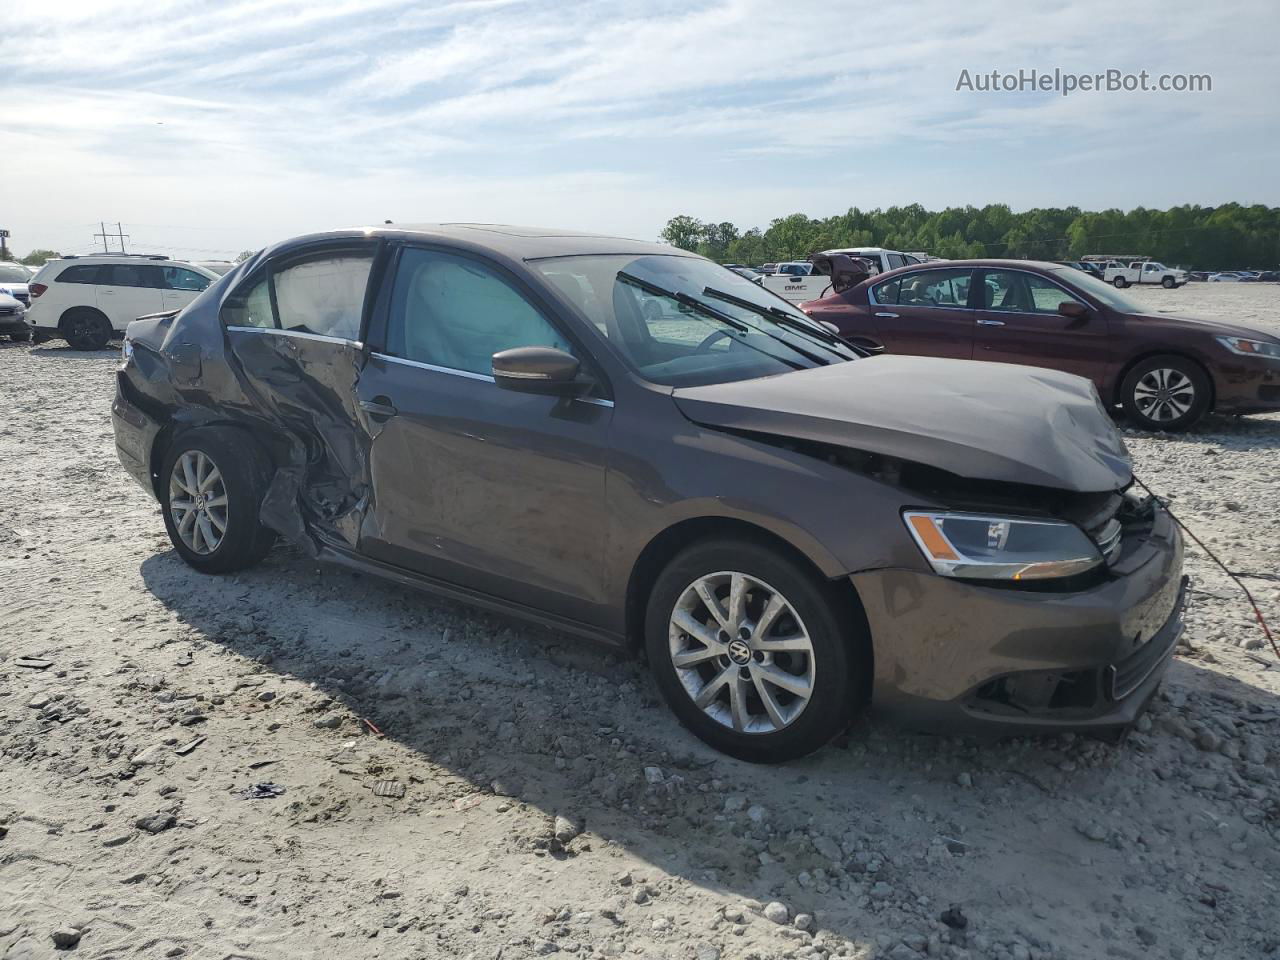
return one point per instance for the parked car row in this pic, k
(792, 526)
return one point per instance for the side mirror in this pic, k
(543, 370)
(1073, 309)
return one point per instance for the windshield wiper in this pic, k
(779, 316)
(709, 311)
(686, 300)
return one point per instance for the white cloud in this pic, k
(254, 118)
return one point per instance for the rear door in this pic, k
(925, 313)
(294, 325)
(127, 291)
(492, 489)
(1019, 322)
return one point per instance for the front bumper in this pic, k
(1247, 385)
(962, 657)
(136, 433)
(13, 323)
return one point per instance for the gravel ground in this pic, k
(550, 803)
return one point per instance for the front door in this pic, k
(492, 489)
(1019, 322)
(925, 313)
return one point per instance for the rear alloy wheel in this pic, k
(1120, 283)
(86, 330)
(213, 485)
(1166, 393)
(755, 655)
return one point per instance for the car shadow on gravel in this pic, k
(568, 728)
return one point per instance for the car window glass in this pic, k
(323, 295)
(455, 312)
(179, 278)
(1014, 290)
(250, 307)
(887, 292)
(81, 273)
(125, 275)
(896, 260)
(935, 288)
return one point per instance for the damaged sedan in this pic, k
(628, 442)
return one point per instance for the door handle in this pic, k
(888, 316)
(380, 408)
(990, 323)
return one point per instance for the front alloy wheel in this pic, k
(741, 652)
(754, 651)
(1167, 393)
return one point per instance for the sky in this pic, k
(210, 128)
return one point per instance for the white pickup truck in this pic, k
(796, 281)
(1143, 271)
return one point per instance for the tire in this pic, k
(1168, 283)
(240, 484)
(22, 336)
(1120, 283)
(1167, 393)
(834, 669)
(86, 329)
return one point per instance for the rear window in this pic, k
(80, 273)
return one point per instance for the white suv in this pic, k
(89, 300)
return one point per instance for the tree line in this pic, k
(1195, 237)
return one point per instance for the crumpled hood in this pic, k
(987, 421)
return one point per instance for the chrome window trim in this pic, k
(323, 338)
(434, 368)
(598, 401)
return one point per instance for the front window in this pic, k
(454, 312)
(1103, 292)
(1019, 292)
(180, 278)
(675, 322)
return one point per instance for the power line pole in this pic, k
(119, 235)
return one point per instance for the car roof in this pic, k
(515, 242)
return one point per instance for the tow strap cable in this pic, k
(1257, 611)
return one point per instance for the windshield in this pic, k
(11, 274)
(1090, 284)
(685, 321)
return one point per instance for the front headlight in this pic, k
(1001, 548)
(1251, 348)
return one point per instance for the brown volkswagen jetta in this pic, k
(629, 442)
(1165, 372)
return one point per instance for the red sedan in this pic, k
(1166, 372)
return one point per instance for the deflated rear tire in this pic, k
(756, 655)
(211, 487)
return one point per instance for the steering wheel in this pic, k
(711, 338)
